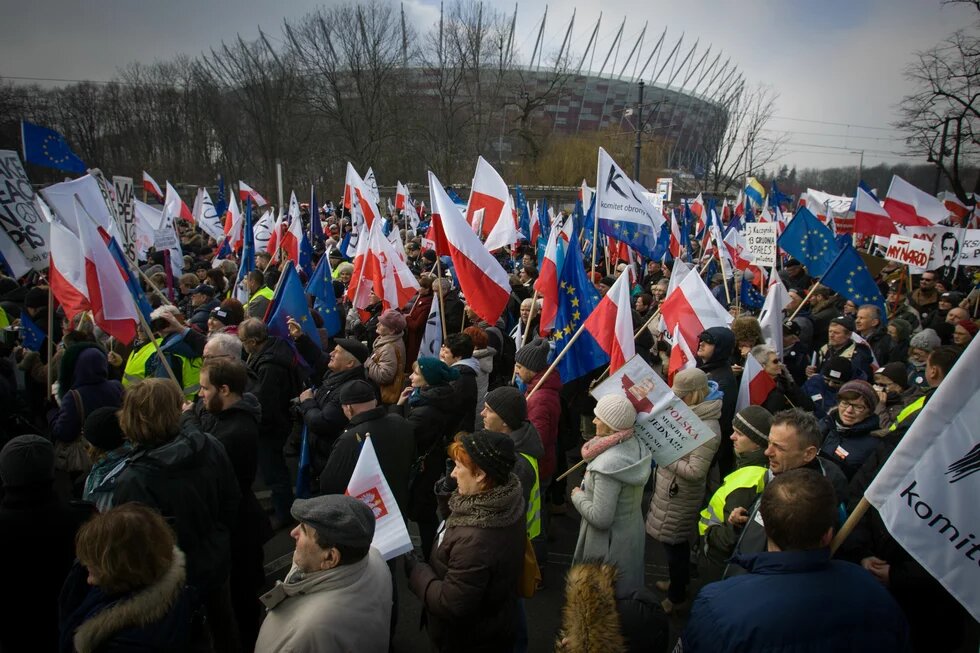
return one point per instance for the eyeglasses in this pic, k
(706, 338)
(850, 405)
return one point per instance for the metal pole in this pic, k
(639, 132)
(279, 182)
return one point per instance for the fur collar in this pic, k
(141, 608)
(501, 506)
(590, 619)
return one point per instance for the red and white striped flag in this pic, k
(755, 386)
(245, 191)
(489, 194)
(175, 207)
(694, 309)
(151, 186)
(611, 323)
(912, 207)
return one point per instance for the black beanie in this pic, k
(534, 355)
(102, 429)
(492, 452)
(508, 402)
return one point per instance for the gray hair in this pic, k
(876, 311)
(226, 344)
(761, 353)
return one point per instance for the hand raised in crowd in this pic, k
(811, 371)
(738, 517)
(173, 324)
(406, 393)
(295, 330)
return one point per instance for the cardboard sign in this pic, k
(125, 218)
(665, 187)
(908, 251)
(761, 240)
(664, 424)
(19, 216)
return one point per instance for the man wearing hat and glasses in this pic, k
(202, 303)
(337, 595)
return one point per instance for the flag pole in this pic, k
(849, 525)
(530, 316)
(595, 237)
(47, 390)
(558, 358)
(817, 283)
(442, 306)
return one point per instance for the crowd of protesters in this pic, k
(129, 471)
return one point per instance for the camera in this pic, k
(10, 336)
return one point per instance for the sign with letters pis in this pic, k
(18, 213)
(664, 423)
(761, 240)
(906, 250)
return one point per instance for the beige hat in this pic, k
(688, 381)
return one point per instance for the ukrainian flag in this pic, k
(755, 191)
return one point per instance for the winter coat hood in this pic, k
(628, 462)
(526, 440)
(709, 408)
(91, 368)
(724, 346)
(467, 364)
(249, 405)
(590, 618)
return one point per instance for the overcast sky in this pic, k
(837, 64)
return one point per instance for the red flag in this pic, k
(611, 323)
(681, 357)
(174, 206)
(378, 269)
(356, 190)
(910, 206)
(870, 218)
(755, 386)
(488, 211)
(151, 186)
(693, 308)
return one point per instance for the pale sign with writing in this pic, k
(908, 251)
(760, 237)
(18, 214)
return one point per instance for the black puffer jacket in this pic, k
(719, 369)
(190, 481)
(324, 416)
(276, 382)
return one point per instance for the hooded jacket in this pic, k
(199, 316)
(526, 441)
(466, 390)
(612, 528)
(484, 357)
(382, 366)
(848, 446)
(544, 412)
(276, 382)
(87, 367)
(678, 494)
(719, 369)
(190, 481)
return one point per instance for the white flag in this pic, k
(926, 493)
(368, 484)
(771, 317)
(206, 217)
(432, 337)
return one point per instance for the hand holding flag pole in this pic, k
(816, 284)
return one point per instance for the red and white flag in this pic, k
(67, 276)
(176, 207)
(151, 186)
(378, 269)
(547, 283)
(755, 386)
(697, 208)
(740, 204)
(869, 216)
(912, 207)
(488, 211)
(275, 237)
(675, 236)
(771, 317)
(245, 192)
(481, 277)
(611, 323)
(694, 309)
(368, 483)
(402, 196)
(957, 208)
(356, 190)
(293, 234)
(681, 356)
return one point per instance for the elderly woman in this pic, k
(679, 488)
(784, 393)
(127, 592)
(847, 429)
(468, 587)
(618, 467)
(386, 365)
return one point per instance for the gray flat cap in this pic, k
(339, 519)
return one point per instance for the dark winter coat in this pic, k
(84, 368)
(719, 369)
(37, 541)
(469, 587)
(544, 413)
(822, 396)
(526, 441)
(796, 601)
(785, 395)
(465, 387)
(848, 447)
(324, 416)
(394, 443)
(190, 481)
(276, 382)
(199, 316)
(415, 321)
(880, 343)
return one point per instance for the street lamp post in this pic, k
(639, 133)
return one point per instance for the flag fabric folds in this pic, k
(31, 335)
(368, 484)
(624, 211)
(246, 192)
(694, 309)
(489, 211)
(871, 218)
(771, 316)
(289, 301)
(174, 206)
(754, 191)
(850, 277)
(755, 386)
(681, 357)
(46, 147)
(611, 323)
(913, 207)
(432, 336)
(810, 241)
(205, 216)
(151, 186)
(320, 287)
(576, 301)
(378, 269)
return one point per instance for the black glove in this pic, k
(448, 483)
(411, 559)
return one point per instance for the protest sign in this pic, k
(368, 484)
(125, 219)
(61, 198)
(761, 240)
(909, 251)
(664, 423)
(665, 187)
(18, 214)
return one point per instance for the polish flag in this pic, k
(755, 386)
(912, 207)
(488, 211)
(953, 204)
(379, 270)
(176, 207)
(357, 190)
(681, 357)
(151, 186)
(697, 208)
(245, 191)
(675, 236)
(402, 196)
(547, 282)
(870, 218)
(67, 276)
(859, 340)
(272, 247)
(740, 204)
(611, 323)
(293, 235)
(483, 281)
(693, 308)
(771, 317)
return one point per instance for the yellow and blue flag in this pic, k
(755, 191)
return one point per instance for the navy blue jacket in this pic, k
(796, 601)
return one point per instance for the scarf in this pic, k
(416, 398)
(600, 443)
(500, 506)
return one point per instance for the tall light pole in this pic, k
(639, 133)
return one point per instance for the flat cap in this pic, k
(337, 518)
(357, 392)
(355, 348)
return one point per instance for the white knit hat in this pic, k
(616, 411)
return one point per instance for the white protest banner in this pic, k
(761, 240)
(125, 218)
(656, 200)
(61, 198)
(665, 187)
(619, 198)
(368, 484)
(147, 220)
(664, 423)
(927, 490)
(18, 215)
(913, 252)
(951, 246)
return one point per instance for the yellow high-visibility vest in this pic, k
(748, 476)
(190, 369)
(534, 502)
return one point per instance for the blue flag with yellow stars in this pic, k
(320, 287)
(750, 298)
(850, 277)
(523, 215)
(810, 241)
(46, 147)
(289, 301)
(577, 298)
(31, 335)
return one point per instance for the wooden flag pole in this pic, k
(561, 354)
(442, 306)
(852, 521)
(805, 300)
(47, 391)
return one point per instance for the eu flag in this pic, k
(220, 205)
(288, 301)
(316, 229)
(31, 334)
(750, 298)
(46, 147)
(523, 214)
(810, 241)
(577, 298)
(850, 277)
(320, 287)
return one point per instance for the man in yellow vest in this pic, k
(719, 534)
(259, 295)
(183, 357)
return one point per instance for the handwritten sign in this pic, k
(908, 251)
(664, 423)
(19, 215)
(761, 240)
(125, 219)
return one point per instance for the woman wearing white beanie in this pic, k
(612, 488)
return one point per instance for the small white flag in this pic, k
(432, 337)
(368, 484)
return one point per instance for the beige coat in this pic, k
(672, 519)
(382, 365)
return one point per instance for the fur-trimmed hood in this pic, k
(590, 619)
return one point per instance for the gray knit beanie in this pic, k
(616, 411)
(926, 340)
(754, 422)
(534, 355)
